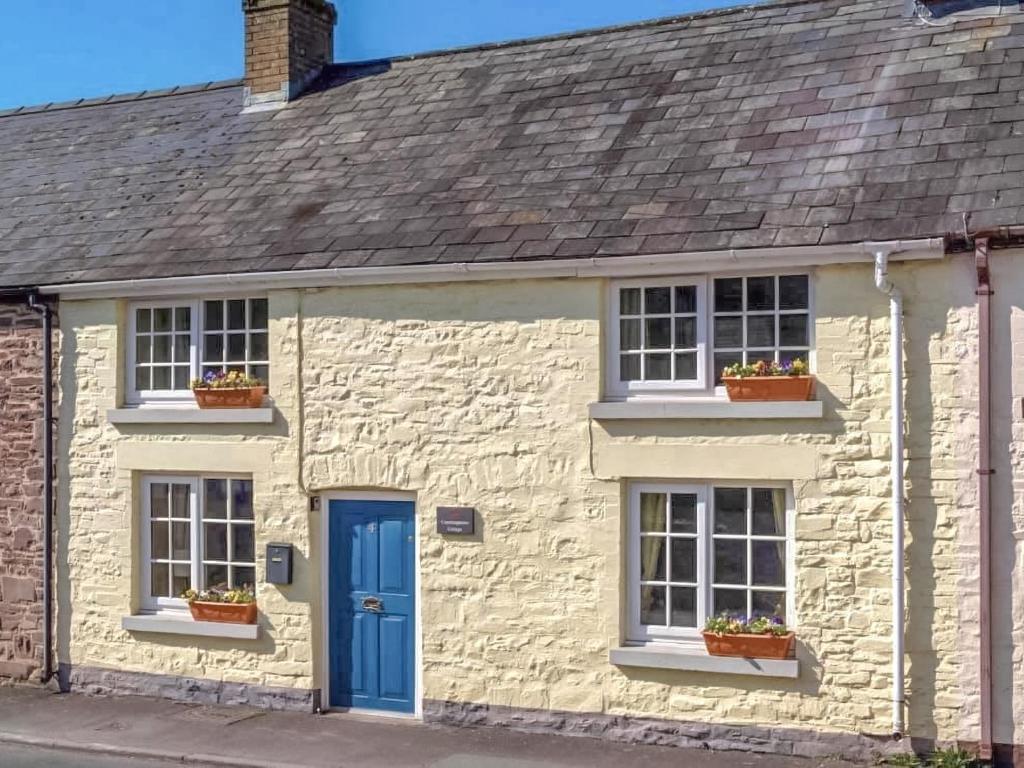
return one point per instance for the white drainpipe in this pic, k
(884, 284)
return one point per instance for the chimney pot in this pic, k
(293, 37)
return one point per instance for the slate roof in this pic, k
(791, 123)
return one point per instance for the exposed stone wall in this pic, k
(21, 492)
(477, 394)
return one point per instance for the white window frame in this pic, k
(704, 386)
(621, 388)
(197, 333)
(153, 604)
(691, 638)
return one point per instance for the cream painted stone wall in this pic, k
(477, 394)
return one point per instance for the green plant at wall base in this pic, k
(735, 625)
(763, 368)
(238, 596)
(940, 758)
(905, 760)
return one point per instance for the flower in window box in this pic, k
(228, 389)
(229, 606)
(768, 380)
(762, 637)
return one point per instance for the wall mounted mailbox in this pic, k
(456, 521)
(279, 563)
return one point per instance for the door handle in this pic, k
(372, 605)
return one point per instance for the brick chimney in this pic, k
(287, 44)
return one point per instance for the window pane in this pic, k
(215, 541)
(183, 319)
(162, 378)
(258, 313)
(723, 360)
(769, 508)
(182, 347)
(684, 607)
(241, 504)
(730, 561)
(182, 377)
(652, 606)
(213, 347)
(142, 349)
(158, 499)
(214, 315)
(243, 577)
(760, 293)
(769, 566)
(793, 292)
(686, 299)
(181, 579)
(730, 601)
(258, 346)
(729, 294)
(684, 560)
(684, 513)
(143, 320)
(761, 331)
(652, 558)
(629, 301)
(215, 576)
(159, 582)
(728, 332)
(658, 333)
(629, 334)
(769, 604)
(142, 379)
(216, 500)
(793, 331)
(731, 510)
(181, 500)
(236, 315)
(658, 367)
(629, 368)
(261, 372)
(686, 332)
(236, 348)
(181, 541)
(162, 320)
(657, 301)
(161, 349)
(158, 540)
(686, 366)
(652, 512)
(243, 545)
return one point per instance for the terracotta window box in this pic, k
(226, 613)
(750, 646)
(247, 397)
(769, 388)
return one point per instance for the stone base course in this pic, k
(667, 733)
(96, 680)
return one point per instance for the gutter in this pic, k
(44, 309)
(697, 262)
(985, 472)
(886, 286)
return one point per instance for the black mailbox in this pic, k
(279, 563)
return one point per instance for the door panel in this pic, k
(371, 604)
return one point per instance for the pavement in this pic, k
(41, 728)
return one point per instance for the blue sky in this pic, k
(56, 50)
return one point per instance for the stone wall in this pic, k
(21, 492)
(477, 394)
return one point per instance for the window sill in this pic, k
(705, 408)
(698, 660)
(190, 415)
(167, 624)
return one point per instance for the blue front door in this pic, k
(372, 604)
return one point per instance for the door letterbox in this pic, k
(279, 563)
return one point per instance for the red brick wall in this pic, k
(21, 492)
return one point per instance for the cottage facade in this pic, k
(507, 280)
